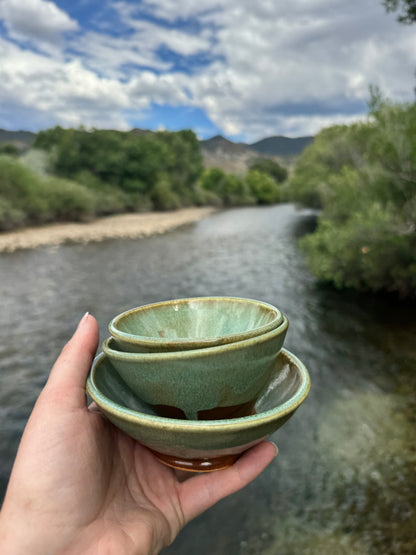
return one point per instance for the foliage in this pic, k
(26, 198)
(332, 149)
(364, 179)
(216, 186)
(134, 163)
(9, 149)
(74, 174)
(263, 187)
(270, 168)
(407, 7)
(164, 197)
(231, 189)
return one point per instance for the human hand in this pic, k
(79, 485)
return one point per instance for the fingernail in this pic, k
(275, 446)
(84, 319)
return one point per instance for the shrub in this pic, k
(263, 188)
(271, 168)
(364, 178)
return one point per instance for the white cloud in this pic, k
(274, 67)
(171, 10)
(35, 20)
(309, 53)
(68, 91)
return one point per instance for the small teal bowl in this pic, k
(195, 445)
(192, 323)
(201, 384)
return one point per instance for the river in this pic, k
(344, 480)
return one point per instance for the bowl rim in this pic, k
(193, 353)
(177, 341)
(176, 425)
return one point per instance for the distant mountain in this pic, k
(22, 139)
(219, 143)
(281, 146)
(237, 157)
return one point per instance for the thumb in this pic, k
(70, 370)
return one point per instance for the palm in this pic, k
(90, 487)
(133, 487)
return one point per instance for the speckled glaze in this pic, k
(188, 383)
(192, 323)
(193, 444)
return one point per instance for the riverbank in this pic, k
(123, 226)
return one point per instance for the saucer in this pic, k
(200, 445)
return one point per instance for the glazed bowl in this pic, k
(193, 444)
(192, 323)
(201, 384)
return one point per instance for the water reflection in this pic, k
(344, 481)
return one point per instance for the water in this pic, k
(345, 478)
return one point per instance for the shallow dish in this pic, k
(195, 445)
(192, 323)
(202, 384)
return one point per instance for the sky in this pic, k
(245, 69)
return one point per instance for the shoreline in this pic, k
(121, 226)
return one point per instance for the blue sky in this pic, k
(244, 69)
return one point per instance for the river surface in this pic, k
(345, 479)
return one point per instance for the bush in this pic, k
(163, 197)
(271, 168)
(9, 149)
(68, 200)
(10, 217)
(364, 178)
(231, 189)
(263, 188)
(26, 198)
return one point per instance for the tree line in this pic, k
(101, 172)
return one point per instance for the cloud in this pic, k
(314, 52)
(70, 93)
(254, 68)
(35, 20)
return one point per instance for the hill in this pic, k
(237, 157)
(281, 146)
(21, 139)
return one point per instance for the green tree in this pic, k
(364, 179)
(271, 168)
(26, 198)
(263, 187)
(9, 149)
(133, 163)
(407, 9)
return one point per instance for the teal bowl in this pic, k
(192, 323)
(201, 384)
(196, 445)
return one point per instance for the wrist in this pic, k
(19, 536)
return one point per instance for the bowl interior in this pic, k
(196, 319)
(287, 388)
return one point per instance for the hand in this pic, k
(79, 485)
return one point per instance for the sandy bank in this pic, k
(125, 226)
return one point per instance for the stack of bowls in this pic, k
(193, 379)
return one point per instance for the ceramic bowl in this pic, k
(193, 444)
(192, 323)
(201, 384)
